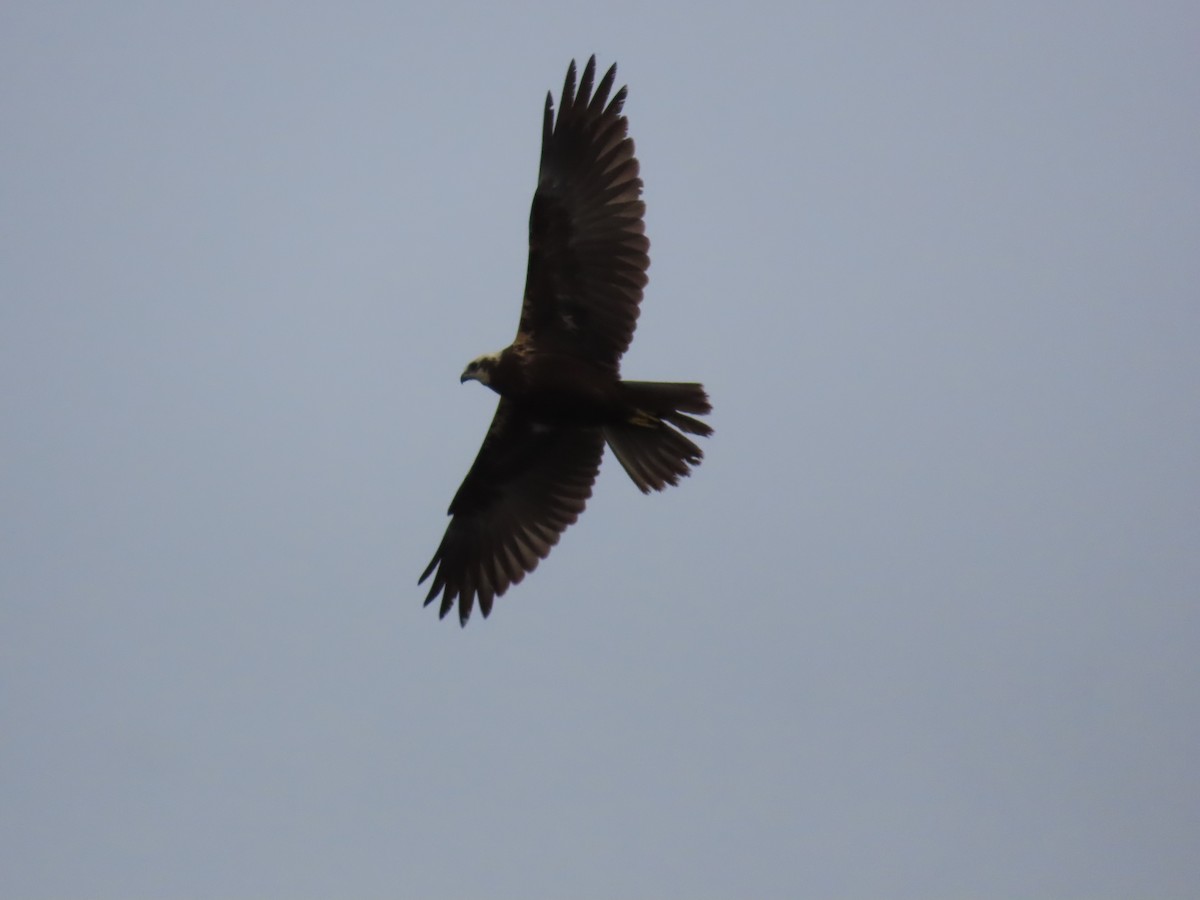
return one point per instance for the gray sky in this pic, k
(923, 624)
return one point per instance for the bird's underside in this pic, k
(561, 395)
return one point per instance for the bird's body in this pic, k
(560, 389)
(562, 396)
(556, 388)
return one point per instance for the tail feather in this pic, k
(652, 452)
(688, 424)
(654, 455)
(662, 397)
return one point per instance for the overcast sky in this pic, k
(925, 623)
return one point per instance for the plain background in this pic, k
(923, 624)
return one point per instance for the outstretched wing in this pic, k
(528, 483)
(587, 242)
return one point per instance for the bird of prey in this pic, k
(561, 394)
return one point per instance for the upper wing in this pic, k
(587, 246)
(528, 483)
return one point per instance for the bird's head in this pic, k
(480, 369)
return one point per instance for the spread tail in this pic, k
(652, 452)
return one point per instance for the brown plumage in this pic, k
(561, 393)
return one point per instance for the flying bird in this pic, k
(561, 394)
